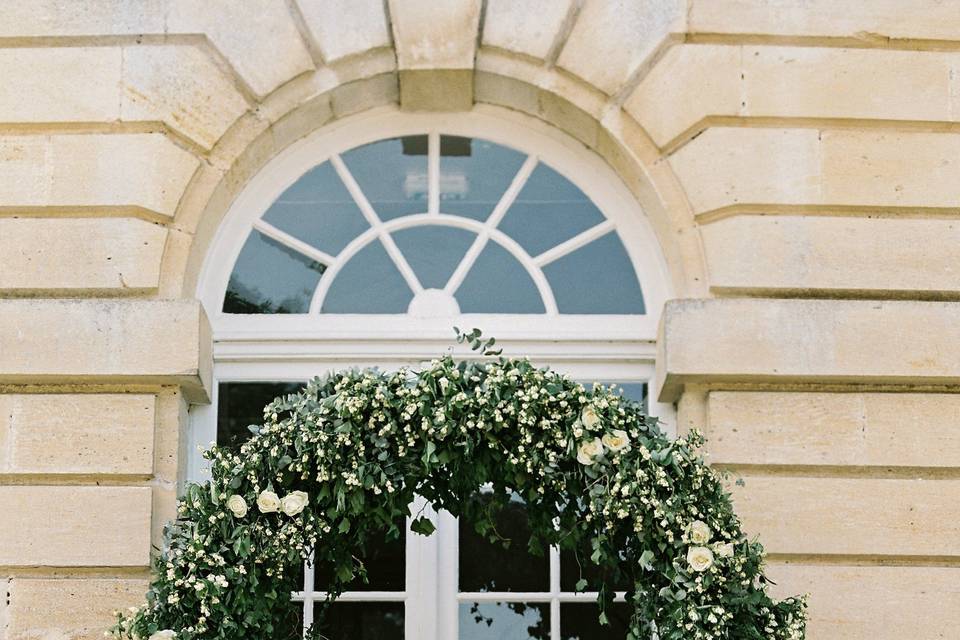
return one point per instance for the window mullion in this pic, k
(421, 576)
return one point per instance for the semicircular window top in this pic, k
(433, 226)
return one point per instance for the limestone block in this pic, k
(68, 609)
(343, 28)
(610, 40)
(64, 526)
(695, 81)
(688, 83)
(165, 341)
(829, 82)
(102, 18)
(832, 253)
(117, 255)
(873, 602)
(529, 28)
(727, 166)
(144, 170)
(835, 429)
(851, 516)
(258, 37)
(873, 21)
(870, 168)
(60, 84)
(78, 433)
(182, 87)
(821, 341)
(435, 35)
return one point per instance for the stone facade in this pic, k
(799, 161)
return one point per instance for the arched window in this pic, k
(363, 245)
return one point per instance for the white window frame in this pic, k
(295, 347)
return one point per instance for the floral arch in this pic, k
(338, 462)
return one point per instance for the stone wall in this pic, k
(799, 161)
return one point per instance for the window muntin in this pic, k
(433, 225)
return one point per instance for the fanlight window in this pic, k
(434, 226)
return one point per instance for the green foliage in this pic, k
(362, 444)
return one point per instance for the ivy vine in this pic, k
(340, 462)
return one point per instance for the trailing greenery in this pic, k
(340, 462)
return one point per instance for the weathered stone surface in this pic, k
(834, 429)
(343, 28)
(182, 87)
(64, 526)
(58, 18)
(529, 28)
(873, 21)
(431, 35)
(80, 254)
(60, 84)
(729, 166)
(851, 516)
(611, 39)
(877, 256)
(855, 602)
(688, 83)
(77, 433)
(821, 341)
(135, 340)
(96, 170)
(258, 37)
(726, 166)
(696, 81)
(68, 609)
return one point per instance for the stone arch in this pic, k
(312, 102)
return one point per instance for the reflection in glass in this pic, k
(548, 210)
(368, 283)
(392, 174)
(318, 209)
(433, 252)
(271, 278)
(384, 561)
(474, 174)
(240, 404)
(488, 566)
(359, 620)
(498, 283)
(596, 278)
(504, 621)
(581, 622)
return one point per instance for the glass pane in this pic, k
(434, 252)
(474, 174)
(498, 283)
(288, 624)
(270, 278)
(385, 563)
(318, 209)
(360, 620)
(548, 210)
(504, 621)
(368, 283)
(596, 278)
(488, 566)
(392, 174)
(580, 622)
(240, 404)
(575, 566)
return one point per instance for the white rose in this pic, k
(293, 503)
(166, 634)
(268, 502)
(699, 532)
(700, 558)
(589, 451)
(237, 505)
(723, 550)
(616, 441)
(589, 417)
